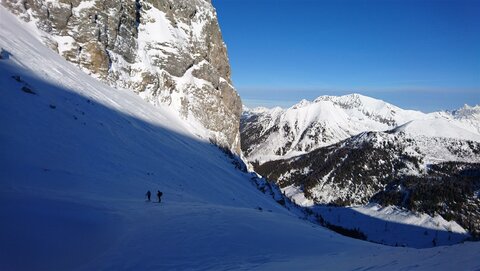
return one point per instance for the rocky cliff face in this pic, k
(171, 52)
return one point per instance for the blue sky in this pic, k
(416, 54)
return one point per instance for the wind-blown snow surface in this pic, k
(77, 157)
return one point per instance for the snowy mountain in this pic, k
(433, 175)
(355, 150)
(77, 156)
(170, 52)
(277, 133)
(270, 134)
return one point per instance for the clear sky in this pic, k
(415, 54)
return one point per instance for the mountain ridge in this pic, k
(277, 133)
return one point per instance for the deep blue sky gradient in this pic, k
(416, 54)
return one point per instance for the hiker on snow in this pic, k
(148, 195)
(159, 195)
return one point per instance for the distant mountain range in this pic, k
(271, 134)
(354, 150)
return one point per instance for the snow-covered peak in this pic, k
(467, 112)
(372, 106)
(355, 100)
(302, 103)
(262, 109)
(271, 112)
(352, 99)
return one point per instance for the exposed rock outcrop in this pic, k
(171, 52)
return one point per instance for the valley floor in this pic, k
(119, 234)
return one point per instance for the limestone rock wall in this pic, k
(171, 52)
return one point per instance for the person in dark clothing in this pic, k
(159, 195)
(149, 194)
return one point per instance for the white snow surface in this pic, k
(395, 226)
(393, 213)
(437, 128)
(77, 157)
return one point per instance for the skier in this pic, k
(159, 195)
(148, 195)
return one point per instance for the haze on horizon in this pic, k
(422, 55)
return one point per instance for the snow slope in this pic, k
(395, 226)
(468, 116)
(386, 225)
(76, 158)
(437, 128)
